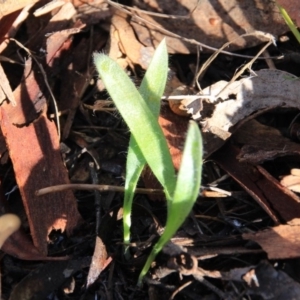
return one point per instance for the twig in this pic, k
(91, 187)
(150, 13)
(246, 66)
(113, 188)
(269, 61)
(218, 51)
(180, 289)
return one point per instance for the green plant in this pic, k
(289, 22)
(148, 145)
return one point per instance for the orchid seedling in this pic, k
(148, 145)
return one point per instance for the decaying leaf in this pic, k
(92, 13)
(280, 242)
(212, 22)
(20, 246)
(292, 181)
(46, 279)
(262, 143)
(75, 79)
(9, 6)
(277, 201)
(123, 34)
(41, 167)
(99, 261)
(48, 7)
(265, 281)
(5, 25)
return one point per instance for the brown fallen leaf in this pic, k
(9, 26)
(276, 200)
(265, 281)
(92, 13)
(123, 32)
(174, 128)
(213, 22)
(30, 89)
(262, 143)
(100, 261)
(46, 279)
(280, 242)
(292, 181)
(41, 167)
(76, 77)
(48, 7)
(10, 6)
(6, 24)
(19, 244)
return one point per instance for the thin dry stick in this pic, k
(7, 59)
(190, 41)
(269, 61)
(151, 13)
(189, 97)
(180, 289)
(246, 66)
(212, 58)
(213, 194)
(197, 67)
(91, 187)
(221, 191)
(113, 188)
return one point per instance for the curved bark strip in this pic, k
(34, 148)
(242, 100)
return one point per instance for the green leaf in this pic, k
(142, 123)
(186, 191)
(151, 90)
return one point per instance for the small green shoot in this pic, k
(151, 90)
(148, 145)
(186, 192)
(143, 125)
(289, 22)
